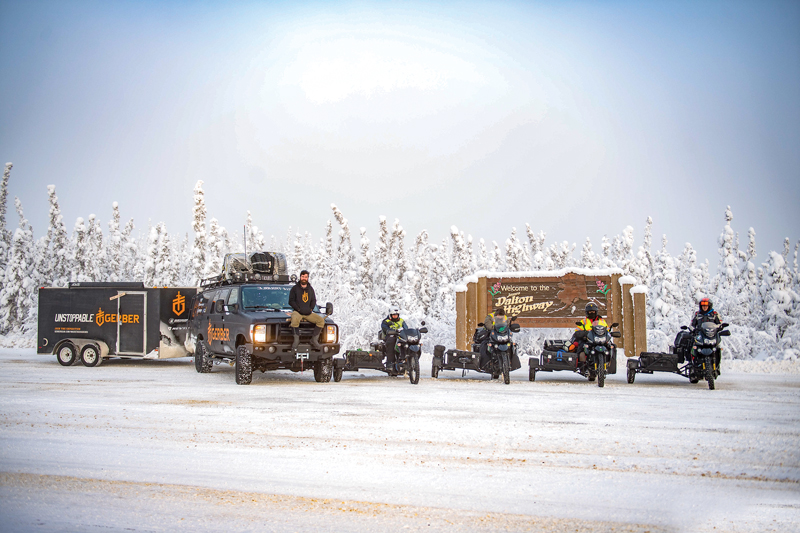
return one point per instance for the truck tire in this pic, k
(243, 366)
(202, 362)
(66, 354)
(323, 369)
(90, 355)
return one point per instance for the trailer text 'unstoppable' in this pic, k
(101, 318)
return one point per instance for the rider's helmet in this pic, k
(394, 312)
(705, 305)
(592, 310)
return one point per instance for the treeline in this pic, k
(363, 278)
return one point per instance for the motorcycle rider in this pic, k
(488, 325)
(705, 314)
(593, 318)
(390, 325)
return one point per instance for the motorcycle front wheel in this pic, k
(601, 370)
(505, 368)
(413, 369)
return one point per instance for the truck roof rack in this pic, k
(255, 266)
(106, 285)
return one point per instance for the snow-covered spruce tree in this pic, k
(184, 253)
(517, 258)
(623, 252)
(153, 236)
(588, 257)
(473, 264)
(80, 253)
(560, 255)
(726, 280)
(780, 307)
(496, 259)
(18, 293)
(380, 261)
(167, 264)
(255, 238)
(346, 259)
(460, 261)
(55, 260)
(94, 250)
(690, 278)
(421, 266)
(536, 242)
(365, 268)
(5, 235)
(215, 251)
(130, 255)
(199, 226)
(483, 256)
(665, 313)
(643, 264)
(398, 289)
(113, 250)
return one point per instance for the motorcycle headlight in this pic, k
(711, 342)
(413, 338)
(502, 338)
(330, 333)
(600, 339)
(260, 333)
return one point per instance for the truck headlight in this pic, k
(330, 334)
(260, 333)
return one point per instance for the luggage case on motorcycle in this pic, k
(556, 357)
(658, 362)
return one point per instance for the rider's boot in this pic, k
(296, 341)
(315, 338)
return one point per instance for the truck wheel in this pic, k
(244, 366)
(66, 354)
(90, 355)
(202, 362)
(323, 370)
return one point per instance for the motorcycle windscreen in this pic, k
(131, 329)
(501, 324)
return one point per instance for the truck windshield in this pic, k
(266, 297)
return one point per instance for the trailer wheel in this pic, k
(202, 362)
(66, 354)
(90, 355)
(532, 374)
(631, 375)
(434, 371)
(337, 374)
(244, 366)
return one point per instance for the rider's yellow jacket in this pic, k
(586, 324)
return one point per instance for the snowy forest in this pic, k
(363, 276)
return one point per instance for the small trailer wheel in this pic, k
(532, 374)
(434, 371)
(66, 354)
(90, 355)
(631, 375)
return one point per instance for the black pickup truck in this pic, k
(241, 317)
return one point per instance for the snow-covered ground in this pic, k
(154, 446)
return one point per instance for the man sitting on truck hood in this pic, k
(302, 300)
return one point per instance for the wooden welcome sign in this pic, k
(543, 299)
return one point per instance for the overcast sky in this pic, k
(578, 117)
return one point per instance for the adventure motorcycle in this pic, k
(596, 358)
(704, 357)
(501, 352)
(408, 348)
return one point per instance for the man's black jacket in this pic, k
(302, 299)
